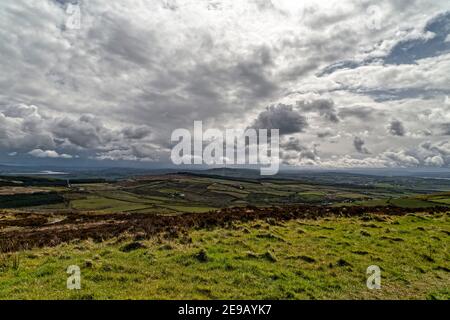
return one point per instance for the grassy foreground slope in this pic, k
(264, 259)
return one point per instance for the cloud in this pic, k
(435, 161)
(431, 44)
(359, 143)
(324, 134)
(282, 117)
(396, 128)
(23, 128)
(359, 112)
(32, 129)
(86, 132)
(324, 107)
(136, 70)
(294, 152)
(136, 133)
(445, 129)
(135, 153)
(39, 153)
(437, 148)
(428, 42)
(400, 158)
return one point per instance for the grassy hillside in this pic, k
(265, 259)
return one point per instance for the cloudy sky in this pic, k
(348, 83)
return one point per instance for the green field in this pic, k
(299, 259)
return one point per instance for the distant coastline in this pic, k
(44, 173)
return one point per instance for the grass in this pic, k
(442, 201)
(299, 259)
(407, 202)
(372, 203)
(312, 196)
(411, 203)
(106, 205)
(30, 199)
(190, 209)
(439, 198)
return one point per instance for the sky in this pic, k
(350, 84)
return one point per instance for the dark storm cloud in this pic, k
(359, 145)
(22, 128)
(293, 144)
(445, 129)
(87, 132)
(136, 133)
(252, 73)
(63, 2)
(282, 117)
(324, 134)
(362, 113)
(323, 107)
(124, 41)
(205, 90)
(45, 136)
(396, 128)
(293, 151)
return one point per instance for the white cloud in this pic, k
(436, 161)
(38, 153)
